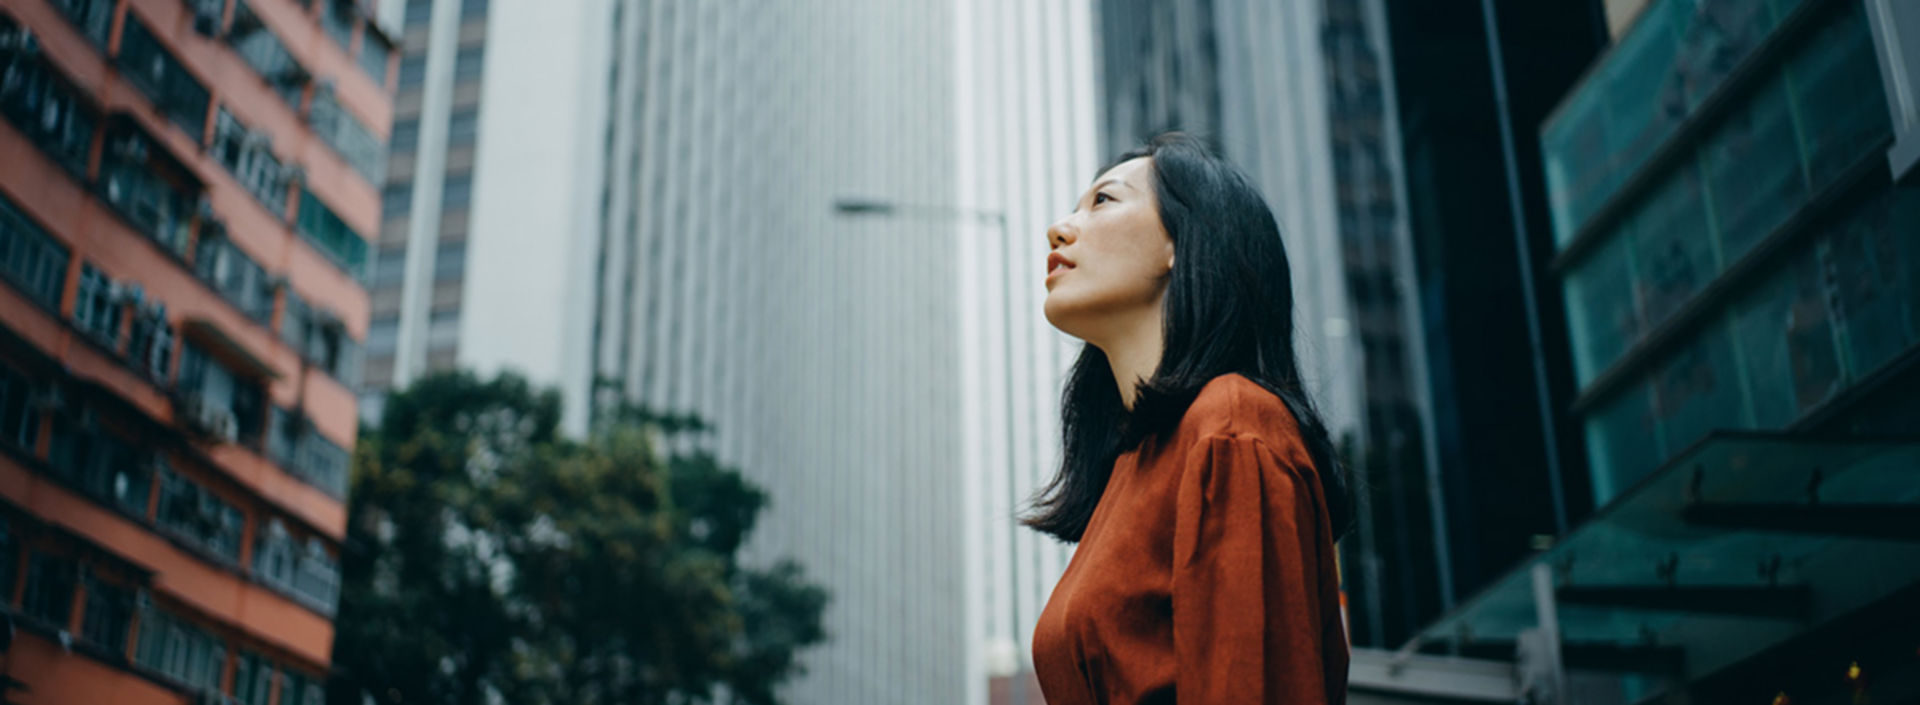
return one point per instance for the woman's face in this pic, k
(1110, 257)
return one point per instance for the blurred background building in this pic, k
(185, 203)
(1026, 150)
(490, 206)
(822, 349)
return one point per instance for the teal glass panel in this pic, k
(1872, 258)
(1697, 390)
(1602, 311)
(1785, 332)
(1753, 170)
(1673, 252)
(1836, 88)
(1623, 443)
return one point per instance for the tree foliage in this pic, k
(492, 560)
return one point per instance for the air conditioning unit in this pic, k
(276, 282)
(213, 420)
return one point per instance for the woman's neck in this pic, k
(1133, 351)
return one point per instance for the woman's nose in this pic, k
(1059, 234)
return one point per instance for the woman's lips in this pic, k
(1057, 264)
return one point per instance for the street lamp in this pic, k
(859, 207)
(869, 207)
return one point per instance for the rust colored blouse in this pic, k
(1206, 572)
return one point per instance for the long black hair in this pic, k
(1228, 308)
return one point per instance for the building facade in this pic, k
(185, 208)
(822, 348)
(1025, 145)
(488, 236)
(1734, 228)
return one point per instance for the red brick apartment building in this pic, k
(186, 192)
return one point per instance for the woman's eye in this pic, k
(1099, 198)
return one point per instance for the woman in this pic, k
(1197, 477)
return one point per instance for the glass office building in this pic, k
(1738, 262)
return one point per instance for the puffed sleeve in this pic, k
(1247, 618)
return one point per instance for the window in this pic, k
(472, 8)
(200, 517)
(217, 402)
(96, 306)
(30, 259)
(1753, 170)
(321, 339)
(347, 136)
(450, 260)
(1623, 442)
(180, 651)
(462, 127)
(252, 679)
(93, 17)
(9, 561)
(50, 583)
(327, 232)
(248, 155)
(336, 18)
(1875, 257)
(405, 137)
(375, 53)
(263, 51)
(150, 348)
(1838, 97)
(109, 613)
(299, 448)
(297, 689)
(419, 11)
(150, 66)
(43, 105)
(468, 62)
(395, 198)
(457, 192)
(101, 465)
(413, 71)
(147, 189)
(318, 579)
(1671, 256)
(19, 422)
(382, 336)
(221, 264)
(273, 555)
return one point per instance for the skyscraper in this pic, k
(489, 206)
(184, 210)
(823, 349)
(1025, 144)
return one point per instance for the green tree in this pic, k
(492, 560)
